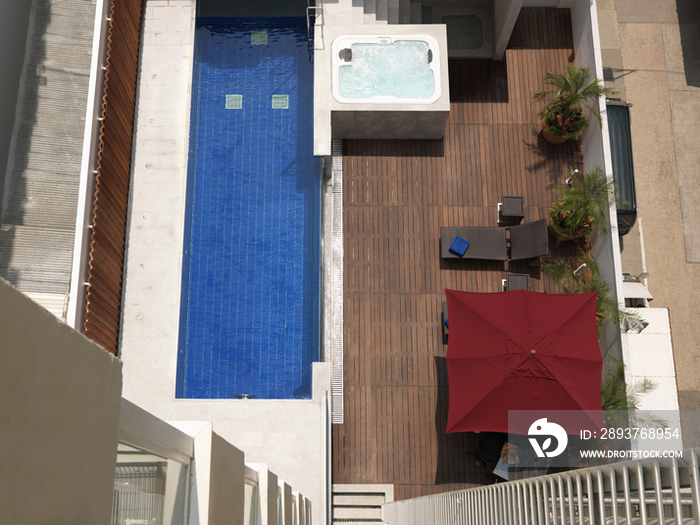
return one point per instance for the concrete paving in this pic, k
(651, 54)
(37, 226)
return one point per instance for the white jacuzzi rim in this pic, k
(353, 38)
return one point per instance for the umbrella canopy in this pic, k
(522, 350)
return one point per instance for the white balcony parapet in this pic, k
(658, 490)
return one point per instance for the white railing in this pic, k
(313, 10)
(648, 491)
(86, 188)
(131, 507)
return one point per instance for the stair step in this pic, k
(426, 14)
(392, 14)
(416, 12)
(362, 499)
(55, 303)
(370, 10)
(357, 513)
(360, 504)
(404, 11)
(382, 12)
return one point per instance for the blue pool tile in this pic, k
(250, 304)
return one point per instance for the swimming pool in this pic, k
(250, 295)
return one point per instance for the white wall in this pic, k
(219, 471)
(596, 152)
(650, 356)
(62, 416)
(505, 14)
(59, 407)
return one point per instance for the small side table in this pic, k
(517, 281)
(511, 210)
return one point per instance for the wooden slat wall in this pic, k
(103, 300)
(397, 195)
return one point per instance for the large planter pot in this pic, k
(561, 237)
(553, 139)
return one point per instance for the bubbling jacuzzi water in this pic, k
(401, 69)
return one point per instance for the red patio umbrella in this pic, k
(522, 350)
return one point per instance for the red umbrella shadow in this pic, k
(458, 460)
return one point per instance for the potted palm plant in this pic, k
(569, 93)
(580, 210)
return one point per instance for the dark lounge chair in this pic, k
(528, 241)
(484, 242)
(490, 445)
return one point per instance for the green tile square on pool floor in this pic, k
(234, 101)
(280, 101)
(258, 38)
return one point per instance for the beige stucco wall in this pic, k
(59, 407)
(217, 495)
(227, 471)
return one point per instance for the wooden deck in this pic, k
(397, 195)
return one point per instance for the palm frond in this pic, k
(591, 280)
(618, 399)
(583, 205)
(566, 95)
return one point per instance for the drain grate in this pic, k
(337, 283)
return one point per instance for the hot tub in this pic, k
(378, 69)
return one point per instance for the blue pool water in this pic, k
(400, 69)
(250, 300)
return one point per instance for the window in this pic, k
(148, 489)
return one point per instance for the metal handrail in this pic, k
(310, 7)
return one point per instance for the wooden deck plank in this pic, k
(397, 195)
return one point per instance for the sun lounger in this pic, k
(529, 240)
(484, 242)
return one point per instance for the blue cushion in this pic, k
(459, 246)
(447, 323)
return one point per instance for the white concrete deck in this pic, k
(289, 435)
